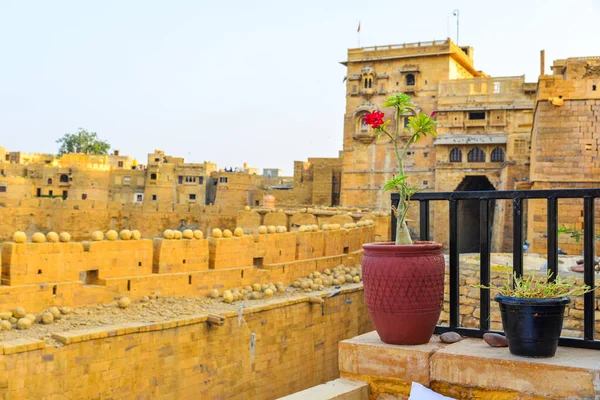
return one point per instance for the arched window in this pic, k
(406, 121)
(49, 181)
(64, 178)
(410, 80)
(476, 155)
(363, 125)
(497, 155)
(370, 83)
(455, 155)
(366, 83)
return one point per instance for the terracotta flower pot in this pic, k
(404, 289)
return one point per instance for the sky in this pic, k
(239, 81)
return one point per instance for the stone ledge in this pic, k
(339, 389)
(469, 369)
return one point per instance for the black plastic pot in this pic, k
(532, 326)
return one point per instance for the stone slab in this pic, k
(339, 389)
(367, 356)
(572, 373)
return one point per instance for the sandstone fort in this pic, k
(241, 283)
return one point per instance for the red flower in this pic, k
(432, 115)
(375, 119)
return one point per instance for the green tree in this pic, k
(82, 142)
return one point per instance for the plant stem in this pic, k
(402, 233)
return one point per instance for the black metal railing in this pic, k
(517, 197)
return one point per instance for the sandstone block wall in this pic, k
(86, 273)
(118, 258)
(277, 350)
(179, 255)
(230, 253)
(41, 262)
(309, 245)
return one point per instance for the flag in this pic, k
(358, 30)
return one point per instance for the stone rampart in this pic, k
(39, 275)
(271, 351)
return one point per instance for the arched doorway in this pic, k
(468, 213)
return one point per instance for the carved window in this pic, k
(64, 178)
(2, 189)
(410, 80)
(152, 176)
(455, 155)
(120, 164)
(497, 155)
(476, 155)
(49, 181)
(368, 82)
(496, 87)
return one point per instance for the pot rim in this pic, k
(551, 301)
(418, 247)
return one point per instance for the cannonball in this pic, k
(315, 227)
(214, 294)
(262, 229)
(168, 234)
(248, 289)
(177, 235)
(257, 287)
(356, 279)
(24, 323)
(55, 312)
(309, 210)
(18, 312)
(238, 232)
(112, 235)
(65, 310)
(5, 315)
(255, 296)
(97, 236)
(280, 229)
(124, 302)
(19, 237)
(12, 320)
(135, 235)
(64, 237)
(217, 233)
(47, 318)
(302, 228)
(5, 325)
(247, 208)
(188, 234)
(271, 229)
(335, 226)
(38, 237)
(360, 224)
(198, 234)
(281, 289)
(325, 227)
(227, 296)
(125, 234)
(268, 293)
(227, 234)
(31, 317)
(52, 237)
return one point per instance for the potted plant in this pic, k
(403, 281)
(532, 312)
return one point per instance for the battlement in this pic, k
(89, 272)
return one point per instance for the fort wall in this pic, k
(274, 350)
(39, 275)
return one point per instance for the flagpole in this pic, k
(358, 33)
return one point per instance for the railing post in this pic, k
(517, 237)
(454, 265)
(395, 201)
(552, 242)
(484, 265)
(588, 271)
(424, 220)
